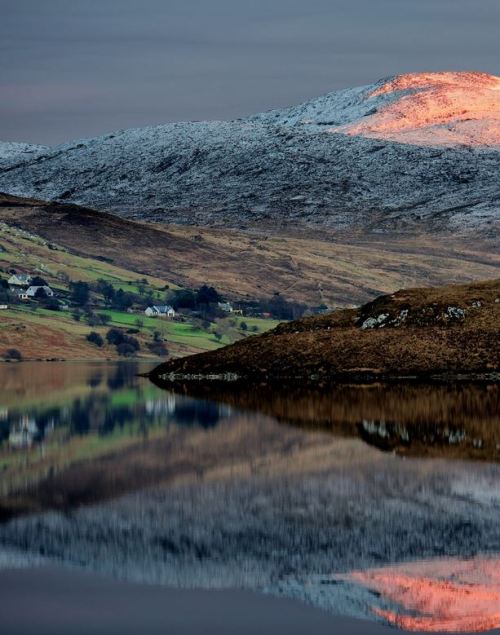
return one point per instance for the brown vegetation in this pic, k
(421, 332)
(301, 264)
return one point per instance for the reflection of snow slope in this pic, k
(443, 595)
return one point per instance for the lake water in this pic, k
(376, 502)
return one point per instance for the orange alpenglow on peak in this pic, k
(436, 109)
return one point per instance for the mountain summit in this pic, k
(432, 109)
(413, 151)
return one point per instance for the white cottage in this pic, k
(165, 311)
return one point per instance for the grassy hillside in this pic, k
(303, 265)
(39, 333)
(423, 332)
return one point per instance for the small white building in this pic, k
(4, 307)
(32, 291)
(226, 307)
(21, 294)
(165, 311)
(19, 280)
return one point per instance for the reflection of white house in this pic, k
(23, 433)
(19, 280)
(32, 291)
(160, 311)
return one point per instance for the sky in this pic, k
(71, 69)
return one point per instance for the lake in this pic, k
(342, 508)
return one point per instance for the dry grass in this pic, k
(427, 343)
(301, 264)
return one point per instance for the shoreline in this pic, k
(50, 599)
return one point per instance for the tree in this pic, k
(243, 326)
(80, 293)
(38, 282)
(139, 323)
(95, 338)
(207, 295)
(122, 300)
(40, 293)
(182, 299)
(106, 289)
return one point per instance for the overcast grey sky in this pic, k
(77, 68)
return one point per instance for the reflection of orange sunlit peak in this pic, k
(444, 595)
(434, 109)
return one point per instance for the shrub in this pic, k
(51, 304)
(243, 326)
(158, 348)
(13, 354)
(95, 338)
(128, 347)
(115, 336)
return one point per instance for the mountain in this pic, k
(448, 331)
(13, 153)
(410, 151)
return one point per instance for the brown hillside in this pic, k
(301, 264)
(424, 332)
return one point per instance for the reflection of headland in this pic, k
(457, 420)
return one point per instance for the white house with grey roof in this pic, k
(164, 311)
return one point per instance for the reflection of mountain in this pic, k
(461, 420)
(437, 596)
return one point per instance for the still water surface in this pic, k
(379, 502)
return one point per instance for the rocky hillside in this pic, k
(408, 151)
(446, 331)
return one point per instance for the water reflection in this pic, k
(55, 415)
(259, 487)
(108, 399)
(457, 420)
(452, 595)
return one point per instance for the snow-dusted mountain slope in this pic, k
(336, 160)
(433, 109)
(11, 152)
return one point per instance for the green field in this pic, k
(27, 253)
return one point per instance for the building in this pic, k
(21, 294)
(23, 433)
(226, 307)
(19, 280)
(165, 311)
(3, 307)
(32, 291)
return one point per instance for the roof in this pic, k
(161, 309)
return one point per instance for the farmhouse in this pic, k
(33, 291)
(226, 307)
(160, 311)
(21, 294)
(19, 280)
